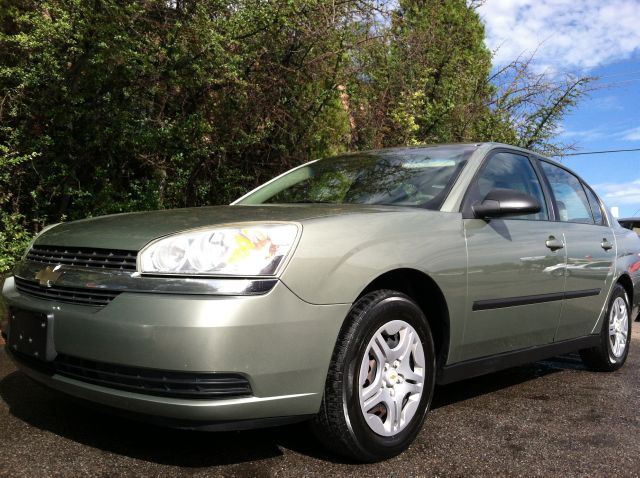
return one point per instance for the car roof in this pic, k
(480, 146)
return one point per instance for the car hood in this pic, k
(132, 231)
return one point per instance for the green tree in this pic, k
(425, 81)
(527, 106)
(110, 106)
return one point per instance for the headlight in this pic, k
(244, 250)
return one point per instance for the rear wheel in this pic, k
(615, 335)
(380, 380)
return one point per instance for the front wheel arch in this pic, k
(425, 292)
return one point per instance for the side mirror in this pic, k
(506, 202)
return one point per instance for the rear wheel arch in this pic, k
(625, 281)
(425, 292)
(614, 336)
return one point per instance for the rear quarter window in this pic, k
(596, 209)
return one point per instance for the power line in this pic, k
(599, 152)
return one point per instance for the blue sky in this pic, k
(587, 37)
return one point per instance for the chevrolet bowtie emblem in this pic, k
(48, 275)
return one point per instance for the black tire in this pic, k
(602, 358)
(340, 424)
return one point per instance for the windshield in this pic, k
(403, 177)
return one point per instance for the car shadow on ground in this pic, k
(48, 410)
(470, 388)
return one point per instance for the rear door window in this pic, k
(571, 200)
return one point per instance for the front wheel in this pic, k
(615, 335)
(380, 381)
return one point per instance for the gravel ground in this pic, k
(552, 418)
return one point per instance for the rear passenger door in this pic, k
(591, 251)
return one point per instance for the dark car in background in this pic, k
(631, 223)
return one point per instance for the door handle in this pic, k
(606, 245)
(554, 244)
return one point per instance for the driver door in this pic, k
(515, 264)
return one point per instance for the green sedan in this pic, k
(340, 292)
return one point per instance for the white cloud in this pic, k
(609, 132)
(631, 134)
(567, 34)
(620, 193)
(584, 135)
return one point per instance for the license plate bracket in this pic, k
(31, 334)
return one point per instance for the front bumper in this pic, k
(280, 343)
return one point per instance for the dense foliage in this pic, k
(110, 105)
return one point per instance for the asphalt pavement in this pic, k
(552, 418)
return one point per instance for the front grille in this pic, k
(71, 295)
(84, 257)
(152, 381)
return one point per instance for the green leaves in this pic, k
(110, 106)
